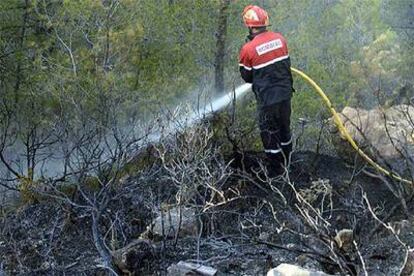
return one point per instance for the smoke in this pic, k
(53, 160)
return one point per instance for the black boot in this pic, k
(275, 166)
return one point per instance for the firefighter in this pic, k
(264, 62)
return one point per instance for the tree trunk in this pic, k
(21, 44)
(106, 256)
(221, 46)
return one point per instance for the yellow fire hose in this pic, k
(344, 132)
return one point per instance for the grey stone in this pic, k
(186, 223)
(382, 133)
(186, 268)
(293, 270)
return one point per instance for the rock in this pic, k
(344, 239)
(408, 266)
(175, 270)
(171, 220)
(293, 270)
(383, 134)
(134, 257)
(185, 268)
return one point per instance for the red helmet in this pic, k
(255, 16)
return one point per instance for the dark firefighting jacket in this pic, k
(264, 62)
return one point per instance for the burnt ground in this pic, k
(239, 238)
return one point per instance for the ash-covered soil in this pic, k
(248, 236)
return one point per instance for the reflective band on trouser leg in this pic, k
(287, 143)
(273, 151)
(275, 161)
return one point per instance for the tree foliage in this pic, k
(78, 60)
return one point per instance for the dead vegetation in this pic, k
(184, 198)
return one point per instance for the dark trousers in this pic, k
(274, 124)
